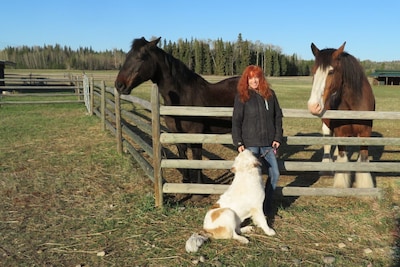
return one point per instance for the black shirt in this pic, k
(257, 122)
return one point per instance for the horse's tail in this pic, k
(195, 241)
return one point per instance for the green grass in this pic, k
(67, 197)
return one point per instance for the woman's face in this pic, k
(254, 82)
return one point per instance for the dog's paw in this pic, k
(270, 232)
(247, 229)
(241, 239)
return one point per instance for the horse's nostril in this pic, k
(119, 85)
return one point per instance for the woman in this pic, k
(257, 124)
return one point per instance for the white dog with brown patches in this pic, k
(243, 199)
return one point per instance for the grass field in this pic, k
(68, 199)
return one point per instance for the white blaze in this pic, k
(316, 102)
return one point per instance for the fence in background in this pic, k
(39, 89)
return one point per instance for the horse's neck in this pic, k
(178, 90)
(361, 99)
(168, 90)
(163, 77)
(177, 84)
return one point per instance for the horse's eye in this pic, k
(330, 72)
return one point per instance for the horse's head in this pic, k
(138, 66)
(327, 78)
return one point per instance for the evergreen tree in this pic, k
(219, 57)
(268, 61)
(208, 61)
(276, 68)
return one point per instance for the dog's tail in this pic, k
(195, 241)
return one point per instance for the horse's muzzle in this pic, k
(315, 108)
(121, 87)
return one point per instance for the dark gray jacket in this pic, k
(255, 125)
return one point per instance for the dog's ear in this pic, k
(233, 169)
(215, 206)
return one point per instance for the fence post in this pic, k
(118, 128)
(91, 92)
(103, 105)
(77, 88)
(155, 121)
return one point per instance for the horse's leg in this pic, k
(326, 157)
(342, 179)
(182, 151)
(327, 148)
(197, 153)
(363, 179)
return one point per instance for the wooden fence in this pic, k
(41, 89)
(153, 163)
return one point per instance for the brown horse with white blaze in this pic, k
(339, 83)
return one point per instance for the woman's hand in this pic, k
(275, 144)
(241, 148)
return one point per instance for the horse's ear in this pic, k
(314, 49)
(155, 41)
(339, 51)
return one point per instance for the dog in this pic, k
(243, 199)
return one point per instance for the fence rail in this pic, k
(288, 113)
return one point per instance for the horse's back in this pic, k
(222, 93)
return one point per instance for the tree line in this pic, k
(230, 58)
(205, 57)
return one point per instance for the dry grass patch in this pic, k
(68, 199)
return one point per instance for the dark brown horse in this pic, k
(179, 86)
(340, 84)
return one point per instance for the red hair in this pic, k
(243, 85)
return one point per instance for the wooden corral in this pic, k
(148, 153)
(42, 89)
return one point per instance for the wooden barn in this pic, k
(386, 77)
(3, 63)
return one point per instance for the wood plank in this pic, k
(288, 165)
(41, 102)
(174, 138)
(287, 113)
(181, 188)
(352, 141)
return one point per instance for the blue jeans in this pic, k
(267, 153)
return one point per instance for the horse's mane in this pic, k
(179, 70)
(352, 71)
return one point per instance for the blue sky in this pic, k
(370, 28)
